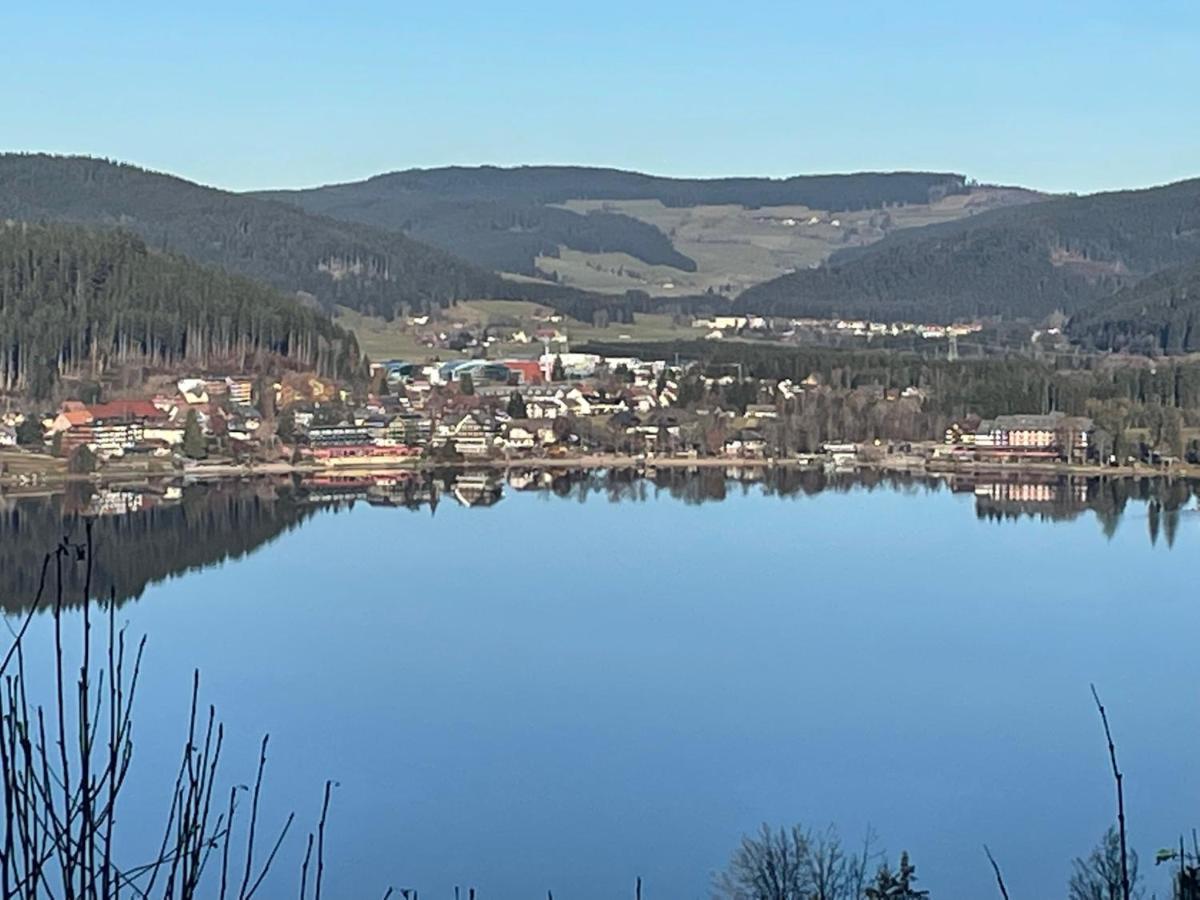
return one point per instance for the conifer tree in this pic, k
(194, 444)
(516, 405)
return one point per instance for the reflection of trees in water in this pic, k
(706, 484)
(1065, 498)
(208, 524)
(205, 526)
(997, 498)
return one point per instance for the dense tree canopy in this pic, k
(1158, 314)
(1022, 261)
(368, 269)
(79, 301)
(339, 263)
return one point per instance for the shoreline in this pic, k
(42, 481)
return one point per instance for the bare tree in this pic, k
(795, 864)
(1102, 875)
(769, 866)
(1119, 780)
(64, 763)
(833, 872)
(996, 869)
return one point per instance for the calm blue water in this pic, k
(558, 694)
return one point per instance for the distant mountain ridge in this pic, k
(1096, 257)
(339, 263)
(1026, 261)
(555, 184)
(505, 218)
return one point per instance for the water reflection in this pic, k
(142, 534)
(163, 530)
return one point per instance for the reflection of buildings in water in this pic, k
(529, 479)
(1001, 492)
(403, 489)
(407, 489)
(1060, 497)
(119, 503)
(744, 474)
(1033, 492)
(477, 489)
(334, 488)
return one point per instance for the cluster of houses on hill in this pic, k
(550, 330)
(718, 327)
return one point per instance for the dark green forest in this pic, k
(372, 270)
(77, 301)
(554, 184)
(368, 269)
(1160, 314)
(503, 218)
(961, 276)
(1024, 261)
(502, 235)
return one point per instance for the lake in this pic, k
(568, 683)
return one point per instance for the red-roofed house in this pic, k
(108, 428)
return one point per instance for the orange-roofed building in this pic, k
(70, 418)
(528, 370)
(125, 409)
(108, 428)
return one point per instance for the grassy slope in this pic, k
(735, 247)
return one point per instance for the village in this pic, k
(561, 408)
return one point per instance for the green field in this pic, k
(735, 247)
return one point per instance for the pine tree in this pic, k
(557, 372)
(194, 444)
(29, 432)
(898, 885)
(285, 426)
(78, 302)
(516, 405)
(82, 460)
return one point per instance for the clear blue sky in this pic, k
(1055, 95)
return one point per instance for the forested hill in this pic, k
(1023, 261)
(367, 269)
(504, 218)
(80, 302)
(1158, 314)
